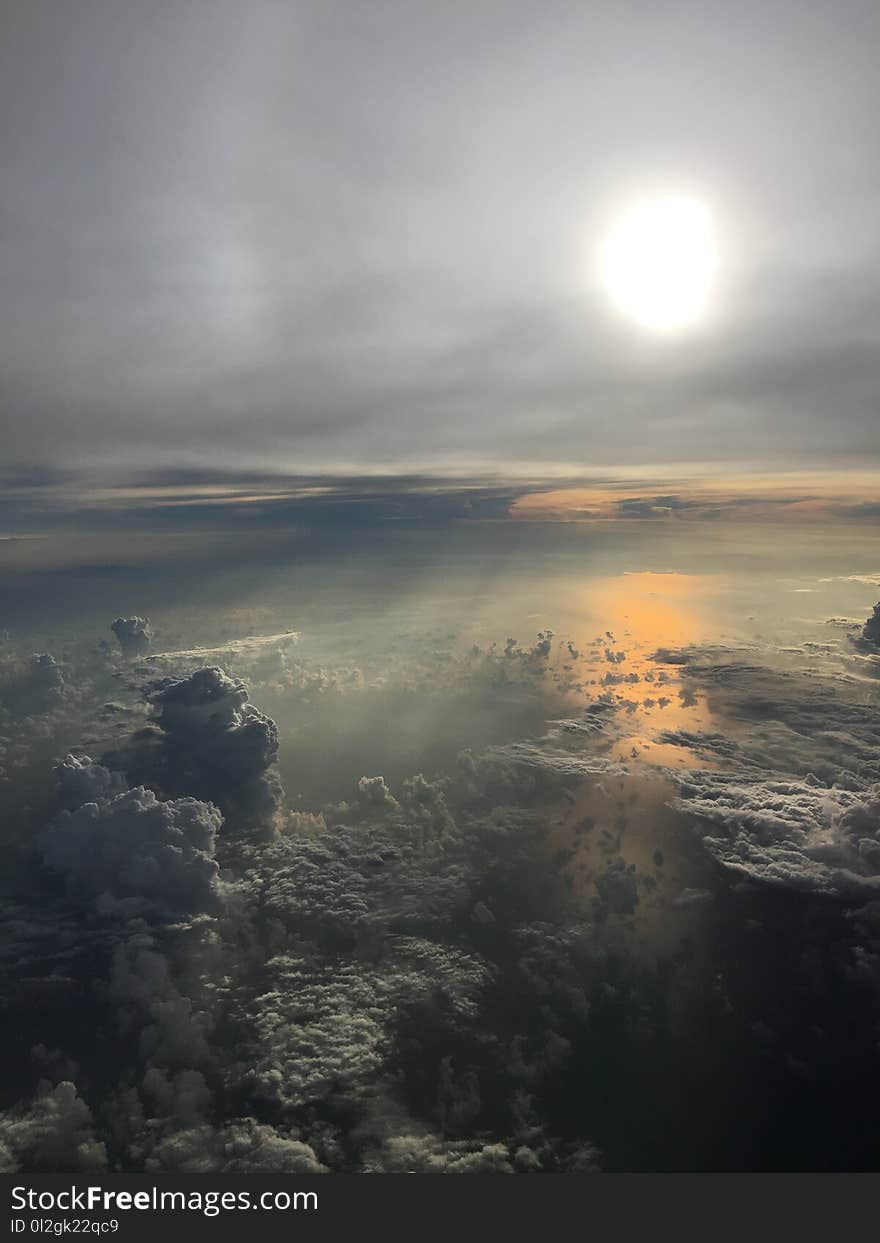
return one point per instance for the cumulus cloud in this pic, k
(373, 792)
(325, 1027)
(797, 834)
(394, 1142)
(785, 721)
(427, 802)
(789, 802)
(871, 628)
(81, 780)
(133, 634)
(425, 1153)
(221, 743)
(166, 1125)
(32, 684)
(127, 850)
(54, 1133)
(170, 1031)
(321, 1031)
(210, 743)
(244, 1146)
(45, 676)
(346, 882)
(617, 888)
(434, 973)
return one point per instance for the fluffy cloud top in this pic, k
(81, 780)
(871, 628)
(29, 685)
(130, 850)
(133, 634)
(54, 1133)
(241, 1147)
(793, 833)
(218, 746)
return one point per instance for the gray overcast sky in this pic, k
(326, 236)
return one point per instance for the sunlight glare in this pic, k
(659, 261)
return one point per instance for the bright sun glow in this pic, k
(659, 261)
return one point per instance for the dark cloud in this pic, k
(133, 635)
(241, 1147)
(30, 685)
(871, 628)
(520, 948)
(129, 851)
(54, 1132)
(211, 743)
(799, 723)
(790, 798)
(81, 780)
(168, 1028)
(402, 284)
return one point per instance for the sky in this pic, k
(347, 239)
(439, 695)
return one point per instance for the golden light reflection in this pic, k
(606, 632)
(650, 611)
(658, 609)
(620, 623)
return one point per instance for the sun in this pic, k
(659, 262)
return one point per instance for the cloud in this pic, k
(553, 761)
(325, 1029)
(432, 970)
(54, 1133)
(46, 677)
(30, 685)
(81, 780)
(340, 885)
(796, 834)
(244, 1146)
(133, 635)
(212, 744)
(430, 1154)
(171, 1032)
(322, 1031)
(261, 653)
(871, 628)
(128, 851)
(394, 1142)
(373, 792)
(784, 721)
(617, 888)
(166, 1125)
